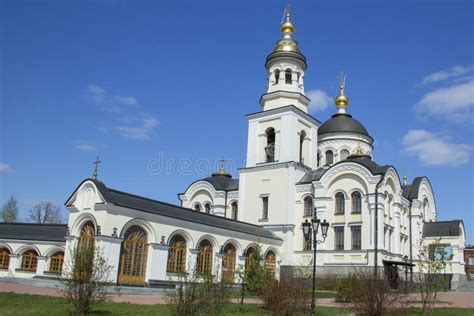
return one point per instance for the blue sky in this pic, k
(141, 82)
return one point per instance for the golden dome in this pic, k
(341, 101)
(286, 45)
(287, 28)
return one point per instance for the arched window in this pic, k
(298, 77)
(270, 262)
(356, 202)
(302, 138)
(340, 200)
(277, 75)
(308, 206)
(319, 158)
(249, 257)
(204, 258)
(197, 207)
(344, 154)
(270, 148)
(29, 260)
(207, 208)
(56, 262)
(133, 257)
(235, 210)
(228, 263)
(177, 255)
(4, 258)
(329, 157)
(288, 75)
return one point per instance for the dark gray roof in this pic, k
(143, 204)
(369, 164)
(222, 182)
(342, 123)
(445, 228)
(29, 231)
(410, 191)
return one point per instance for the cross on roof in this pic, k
(96, 163)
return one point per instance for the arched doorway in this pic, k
(270, 262)
(204, 258)
(249, 256)
(133, 257)
(228, 263)
(86, 236)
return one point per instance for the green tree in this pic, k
(256, 275)
(431, 263)
(9, 211)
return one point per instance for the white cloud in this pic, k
(453, 72)
(109, 102)
(319, 100)
(435, 150)
(4, 168)
(454, 103)
(85, 145)
(141, 130)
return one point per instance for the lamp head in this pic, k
(324, 228)
(306, 227)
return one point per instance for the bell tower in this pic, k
(285, 70)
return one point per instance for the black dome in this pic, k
(342, 122)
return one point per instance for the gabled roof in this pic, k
(369, 164)
(30, 231)
(444, 228)
(147, 205)
(410, 191)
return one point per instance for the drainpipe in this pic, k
(411, 244)
(376, 239)
(225, 205)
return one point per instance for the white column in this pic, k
(110, 248)
(12, 265)
(396, 248)
(192, 261)
(218, 266)
(41, 266)
(70, 245)
(157, 263)
(241, 268)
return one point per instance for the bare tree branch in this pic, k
(9, 212)
(45, 213)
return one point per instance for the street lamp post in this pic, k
(309, 228)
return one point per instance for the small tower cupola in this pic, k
(341, 101)
(285, 69)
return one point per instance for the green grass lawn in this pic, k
(22, 304)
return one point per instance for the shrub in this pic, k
(84, 280)
(371, 294)
(328, 282)
(199, 295)
(287, 298)
(346, 287)
(257, 275)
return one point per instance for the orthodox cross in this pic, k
(96, 163)
(342, 78)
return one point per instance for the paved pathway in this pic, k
(448, 299)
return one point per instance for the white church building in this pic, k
(296, 168)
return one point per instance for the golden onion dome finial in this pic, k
(287, 27)
(341, 101)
